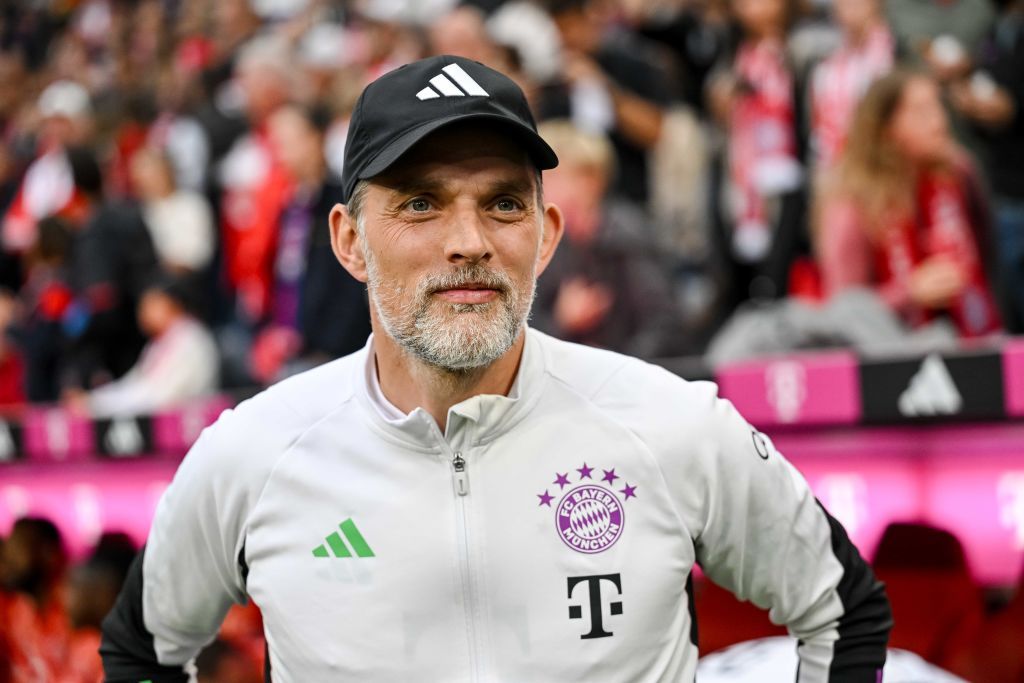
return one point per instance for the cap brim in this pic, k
(540, 152)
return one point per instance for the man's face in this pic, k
(453, 238)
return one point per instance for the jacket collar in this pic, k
(479, 419)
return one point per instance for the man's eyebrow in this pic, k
(413, 185)
(409, 186)
(514, 187)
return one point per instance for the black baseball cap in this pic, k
(405, 105)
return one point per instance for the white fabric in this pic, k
(475, 587)
(181, 226)
(774, 659)
(181, 364)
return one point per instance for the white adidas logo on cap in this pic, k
(449, 89)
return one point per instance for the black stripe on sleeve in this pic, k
(127, 647)
(694, 636)
(859, 654)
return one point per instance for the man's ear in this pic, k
(554, 227)
(345, 242)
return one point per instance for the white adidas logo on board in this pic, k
(447, 88)
(931, 391)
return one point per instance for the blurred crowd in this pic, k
(727, 166)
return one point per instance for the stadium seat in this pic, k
(936, 604)
(722, 620)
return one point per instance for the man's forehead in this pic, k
(454, 155)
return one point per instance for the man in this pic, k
(465, 499)
(179, 363)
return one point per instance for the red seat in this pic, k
(936, 604)
(722, 620)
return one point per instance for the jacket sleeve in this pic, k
(763, 535)
(192, 569)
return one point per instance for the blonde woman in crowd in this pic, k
(902, 211)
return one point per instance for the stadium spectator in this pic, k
(613, 82)
(318, 311)
(606, 285)
(903, 211)
(110, 262)
(47, 187)
(176, 131)
(34, 627)
(696, 32)
(180, 361)
(754, 98)
(992, 99)
(45, 299)
(91, 590)
(254, 183)
(838, 83)
(179, 220)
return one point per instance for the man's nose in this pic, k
(467, 238)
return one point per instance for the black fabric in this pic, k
(334, 313)
(694, 635)
(859, 653)
(127, 647)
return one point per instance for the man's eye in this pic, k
(419, 205)
(507, 205)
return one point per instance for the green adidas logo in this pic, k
(338, 547)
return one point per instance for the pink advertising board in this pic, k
(1013, 377)
(86, 498)
(967, 479)
(809, 389)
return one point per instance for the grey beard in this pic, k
(471, 336)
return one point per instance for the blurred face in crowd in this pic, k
(462, 32)
(578, 188)
(919, 128)
(762, 18)
(29, 562)
(451, 243)
(856, 16)
(582, 28)
(152, 175)
(265, 85)
(297, 144)
(157, 312)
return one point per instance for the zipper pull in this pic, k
(461, 478)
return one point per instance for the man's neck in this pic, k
(409, 383)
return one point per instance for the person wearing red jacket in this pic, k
(903, 212)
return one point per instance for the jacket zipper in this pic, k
(460, 480)
(459, 472)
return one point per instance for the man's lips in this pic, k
(468, 294)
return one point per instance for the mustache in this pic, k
(476, 274)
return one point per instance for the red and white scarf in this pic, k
(838, 84)
(762, 144)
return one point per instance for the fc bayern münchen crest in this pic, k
(589, 517)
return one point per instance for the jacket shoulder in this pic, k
(259, 430)
(642, 395)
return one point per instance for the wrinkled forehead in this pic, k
(461, 153)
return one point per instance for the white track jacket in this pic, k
(550, 535)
